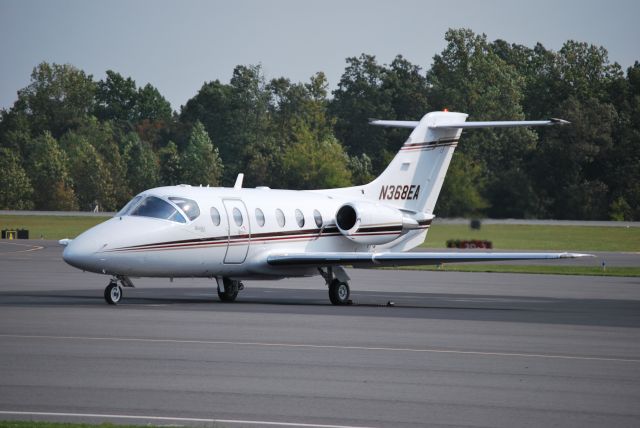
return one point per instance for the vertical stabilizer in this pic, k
(414, 178)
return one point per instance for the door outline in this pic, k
(237, 253)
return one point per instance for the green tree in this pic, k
(170, 171)
(235, 115)
(212, 107)
(361, 169)
(622, 167)
(107, 140)
(116, 98)
(90, 174)
(142, 164)
(314, 164)
(59, 98)
(200, 161)
(461, 192)
(47, 169)
(567, 168)
(469, 76)
(15, 187)
(406, 87)
(152, 106)
(295, 104)
(359, 97)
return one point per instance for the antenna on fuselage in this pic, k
(239, 180)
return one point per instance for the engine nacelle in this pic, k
(372, 224)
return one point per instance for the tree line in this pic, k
(70, 142)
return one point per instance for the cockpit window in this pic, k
(188, 206)
(157, 208)
(129, 205)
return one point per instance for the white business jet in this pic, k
(232, 234)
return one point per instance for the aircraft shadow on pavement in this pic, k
(601, 312)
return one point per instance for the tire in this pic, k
(339, 292)
(113, 293)
(231, 289)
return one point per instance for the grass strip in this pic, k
(50, 227)
(540, 237)
(533, 269)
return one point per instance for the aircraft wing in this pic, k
(405, 259)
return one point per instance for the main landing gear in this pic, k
(113, 291)
(228, 289)
(338, 282)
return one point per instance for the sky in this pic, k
(178, 45)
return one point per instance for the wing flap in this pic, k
(405, 259)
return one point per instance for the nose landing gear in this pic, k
(113, 291)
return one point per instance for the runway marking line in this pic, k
(174, 419)
(311, 346)
(33, 248)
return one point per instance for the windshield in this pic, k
(129, 205)
(157, 208)
(188, 206)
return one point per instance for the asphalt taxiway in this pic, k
(461, 349)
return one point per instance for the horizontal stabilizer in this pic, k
(470, 125)
(395, 123)
(405, 259)
(502, 124)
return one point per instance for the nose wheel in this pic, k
(113, 293)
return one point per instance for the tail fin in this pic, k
(414, 178)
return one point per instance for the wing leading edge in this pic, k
(405, 259)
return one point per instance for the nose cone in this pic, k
(86, 252)
(81, 253)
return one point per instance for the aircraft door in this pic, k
(239, 231)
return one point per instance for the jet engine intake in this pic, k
(371, 223)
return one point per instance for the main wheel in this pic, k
(113, 293)
(338, 292)
(230, 292)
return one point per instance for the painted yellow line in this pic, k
(174, 419)
(338, 347)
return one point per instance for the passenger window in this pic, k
(157, 208)
(299, 218)
(237, 217)
(188, 206)
(259, 217)
(215, 216)
(317, 217)
(280, 217)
